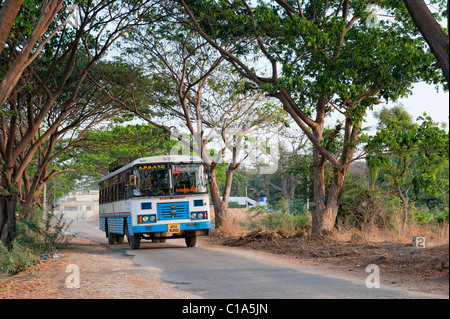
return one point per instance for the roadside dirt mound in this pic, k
(425, 269)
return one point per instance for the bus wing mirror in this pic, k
(133, 180)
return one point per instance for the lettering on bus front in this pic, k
(194, 190)
(159, 166)
(188, 178)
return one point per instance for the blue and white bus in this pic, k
(155, 198)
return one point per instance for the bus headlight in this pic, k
(146, 218)
(193, 215)
(200, 215)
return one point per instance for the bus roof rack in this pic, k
(120, 162)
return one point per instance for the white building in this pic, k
(80, 205)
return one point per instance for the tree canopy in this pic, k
(411, 155)
(319, 58)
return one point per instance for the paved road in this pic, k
(230, 273)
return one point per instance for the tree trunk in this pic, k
(318, 208)
(220, 203)
(334, 198)
(8, 13)
(403, 194)
(31, 201)
(8, 201)
(405, 213)
(228, 182)
(324, 211)
(7, 217)
(431, 31)
(220, 209)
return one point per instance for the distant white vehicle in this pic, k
(243, 201)
(155, 198)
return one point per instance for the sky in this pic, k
(425, 98)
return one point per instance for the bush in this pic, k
(359, 205)
(33, 238)
(440, 214)
(420, 216)
(16, 260)
(299, 206)
(262, 219)
(363, 209)
(44, 233)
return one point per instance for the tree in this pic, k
(181, 81)
(293, 178)
(322, 58)
(411, 155)
(30, 34)
(53, 99)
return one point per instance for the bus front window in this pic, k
(188, 178)
(153, 179)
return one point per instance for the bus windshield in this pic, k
(188, 178)
(153, 179)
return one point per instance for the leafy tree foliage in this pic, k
(105, 148)
(411, 155)
(46, 93)
(319, 58)
(181, 82)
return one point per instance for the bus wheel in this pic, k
(134, 241)
(112, 238)
(191, 241)
(120, 239)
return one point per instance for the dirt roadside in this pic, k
(113, 275)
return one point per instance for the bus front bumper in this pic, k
(186, 227)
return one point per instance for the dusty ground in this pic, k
(114, 276)
(111, 276)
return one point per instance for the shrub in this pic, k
(32, 238)
(44, 233)
(16, 260)
(262, 219)
(440, 215)
(420, 216)
(299, 206)
(363, 208)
